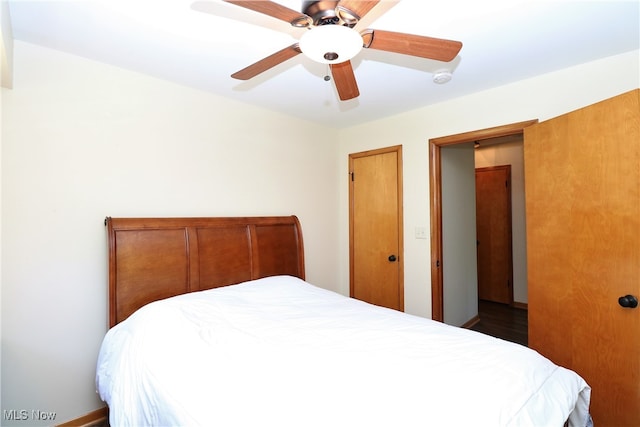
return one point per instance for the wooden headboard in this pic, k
(156, 258)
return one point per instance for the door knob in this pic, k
(392, 258)
(628, 301)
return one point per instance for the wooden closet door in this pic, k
(375, 223)
(582, 180)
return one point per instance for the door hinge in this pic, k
(352, 174)
(438, 263)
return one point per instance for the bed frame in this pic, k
(156, 258)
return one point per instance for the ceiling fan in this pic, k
(332, 39)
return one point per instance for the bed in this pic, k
(213, 323)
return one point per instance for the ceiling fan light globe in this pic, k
(331, 44)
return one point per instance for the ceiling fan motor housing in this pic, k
(322, 12)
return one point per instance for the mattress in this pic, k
(281, 352)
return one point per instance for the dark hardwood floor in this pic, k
(502, 321)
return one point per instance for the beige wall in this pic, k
(6, 81)
(459, 266)
(81, 140)
(6, 46)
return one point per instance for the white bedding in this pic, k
(281, 352)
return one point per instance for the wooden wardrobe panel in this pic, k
(582, 178)
(547, 230)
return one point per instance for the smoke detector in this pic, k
(442, 76)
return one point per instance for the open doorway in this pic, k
(502, 134)
(501, 239)
(496, 154)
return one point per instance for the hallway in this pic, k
(502, 321)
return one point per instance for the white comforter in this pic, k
(281, 352)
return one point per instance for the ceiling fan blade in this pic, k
(267, 63)
(345, 80)
(360, 7)
(270, 8)
(410, 44)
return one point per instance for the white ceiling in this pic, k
(200, 44)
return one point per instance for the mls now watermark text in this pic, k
(28, 415)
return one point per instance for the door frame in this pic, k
(393, 149)
(435, 199)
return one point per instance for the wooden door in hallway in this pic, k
(582, 180)
(493, 230)
(375, 227)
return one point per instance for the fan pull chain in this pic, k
(329, 93)
(327, 76)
